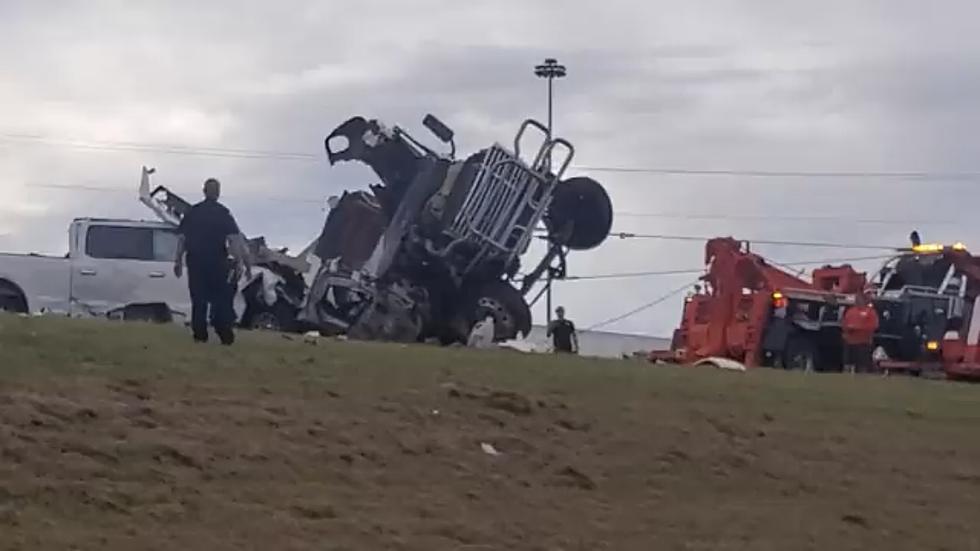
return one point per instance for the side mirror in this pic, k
(437, 127)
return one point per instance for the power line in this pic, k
(621, 275)
(107, 189)
(162, 148)
(825, 245)
(641, 308)
(621, 235)
(780, 217)
(83, 187)
(243, 153)
(678, 290)
(910, 175)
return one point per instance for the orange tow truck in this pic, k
(757, 314)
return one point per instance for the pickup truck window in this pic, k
(131, 243)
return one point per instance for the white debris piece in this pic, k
(489, 449)
(722, 363)
(481, 336)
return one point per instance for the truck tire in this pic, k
(580, 214)
(280, 317)
(801, 354)
(12, 299)
(511, 314)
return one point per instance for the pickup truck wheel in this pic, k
(12, 300)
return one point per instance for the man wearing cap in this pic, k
(562, 333)
(208, 232)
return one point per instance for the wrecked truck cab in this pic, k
(437, 245)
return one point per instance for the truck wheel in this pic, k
(801, 355)
(511, 315)
(581, 214)
(11, 299)
(279, 317)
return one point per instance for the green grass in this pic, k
(132, 437)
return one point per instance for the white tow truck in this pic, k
(123, 269)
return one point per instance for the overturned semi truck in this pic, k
(438, 244)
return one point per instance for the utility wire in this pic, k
(641, 308)
(312, 157)
(620, 275)
(679, 290)
(630, 235)
(911, 175)
(780, 217)
(161, 148)
(682, 216)
(106, 189)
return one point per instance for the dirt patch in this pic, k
(366, 447)
(511, 402)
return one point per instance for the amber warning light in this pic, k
(779, 300)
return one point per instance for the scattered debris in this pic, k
(721, 363)
(489, 449)
(482, 334)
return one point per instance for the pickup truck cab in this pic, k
(115, 268)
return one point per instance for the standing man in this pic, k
(562, 332)
(207, 232)
(858, 330)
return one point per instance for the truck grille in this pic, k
(505, 202)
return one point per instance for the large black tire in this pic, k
(12, 299)
(511, 314)
(801, 354)
(581, 213)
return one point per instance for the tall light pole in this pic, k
(550, 70)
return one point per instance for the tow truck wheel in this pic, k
(511, 315)
(800, 355)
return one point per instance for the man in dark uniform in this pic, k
(206, 231)
(562, 332)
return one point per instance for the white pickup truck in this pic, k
(115, 268)
(123, 269)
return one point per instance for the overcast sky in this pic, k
(850, 85)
